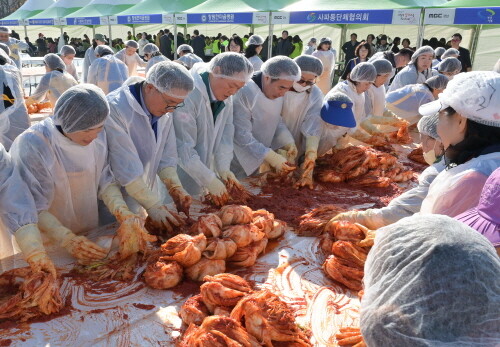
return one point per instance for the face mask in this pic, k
(299, 88)
(430, 157)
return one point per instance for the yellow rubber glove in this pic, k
(80, 247)
(181, 198)
(369, 126)
(277, 162)
(161, 217)
(113, 199)
(218, 192)
(30, 241)
(229, 178)
(371, 218)
(306, 179)
(291, 152)
(133, 237)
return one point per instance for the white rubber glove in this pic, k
(113, 199)
(370, 218)
(30, 241)
(230, 178)
(181, 198)
(291, 152)
(306, 179)
(277, 162)
(218, 192)
(80, 247)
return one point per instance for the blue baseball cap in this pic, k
(339, 113)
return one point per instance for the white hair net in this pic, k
(428, 126)
(101, 49)
(496, 68)
(439, 51)
(325, 40)
(437, 82)
(5, 48)
(309, 64)
(431, 281)
(132, 43)
(382, 66)
(184, 47)
(53, 62)
(450, 52)
(67, 50)
(150, 48)
(171, 78)
(80, 108)
(255, 40)
(281, 68)
(450, 64)
(4, 29)
(363, 72)
(231, 65)
(421, 51)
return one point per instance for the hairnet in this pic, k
(255, 40)
(382, 66)
(5, 48)
(81, 107)
(429, 281)
(131, 43)
(67, 50)
(231, 65)
(171, 79)
(439, 51)
(496, 68)
(150, 48)
(363, 72)
(313, 39)
(53, 62)
(4, 29)
(281, 68)
(450, 64)
(309, 64)
(428, 126)
(101, 49)
(437, 82)
(184, 47)
(325, 40)
(450, 52)
(421, 51)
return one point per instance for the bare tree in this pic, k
(9, 6)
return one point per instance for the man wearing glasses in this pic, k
(464, 56)
(141, 141)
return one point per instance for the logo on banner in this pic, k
(129, 19)
(486, 15)
(311, 17)
(406, 17)
(440, 16)
(203, 18)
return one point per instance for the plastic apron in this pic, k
(358, 100)
(375, 101)
(325, 79)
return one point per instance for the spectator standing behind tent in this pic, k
(370, 38)
(55, 82)
(107, 72)
(90, 54)
(129, 56)
(166, 45)
(327, 57)
(349, 48)
(235, 44)
(297, 46)
(143, 41)
(362, 53)
(285, 46)
(198, 44)
(395, 44)
(186, 55)
(464, 56)
(41, 45)
(67, 54)
(32, 49)
(311, 46)
(15, 45)
(418, 70)
(153, 55)
(253, 50)
(382, 44)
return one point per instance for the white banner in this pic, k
(406, 17)
(260, 18)
(104, 20)
(167, 18)
(180, 18)
(60, 21)
(439, 16)
(280, 18)
(113, 20)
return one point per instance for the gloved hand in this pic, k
(291, 152)
(30, 241)
(113, 199)
(230, 179)
(80, 247)
(162, 218)
(278, 163)
(181, 198)
(369, 236)
(371, 218)
(369, 127)
(306, 180)
(133, 237)
(218, 192)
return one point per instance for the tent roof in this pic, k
(29, 9)
(98, 8)
(471, 3)
(329, 5)
(62, 8)
(218, 6)
(157, 7)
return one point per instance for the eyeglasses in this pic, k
(169, 107)
(308, 83)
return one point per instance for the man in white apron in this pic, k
(130, 57)
(204, 126)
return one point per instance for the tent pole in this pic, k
(133, 30)
(270, 38)
(421, 28)
(252, 28)
(25, 31)
(185, 30)
(175, 41)
(474, 42)
(109, 30)
(343, 38)
(93, 32)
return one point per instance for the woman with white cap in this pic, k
(438, 52)
(130, 57)
(327, 55)
(430, 281)
(67, 54)
(469, 128)
(55, 82)
(64, 162)
(254, 47)
(153, 55)
(449, 67)
(107, 71)
(419, 69)
(404, 102)
(187, 56)
(408, 203)
(310, 47)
